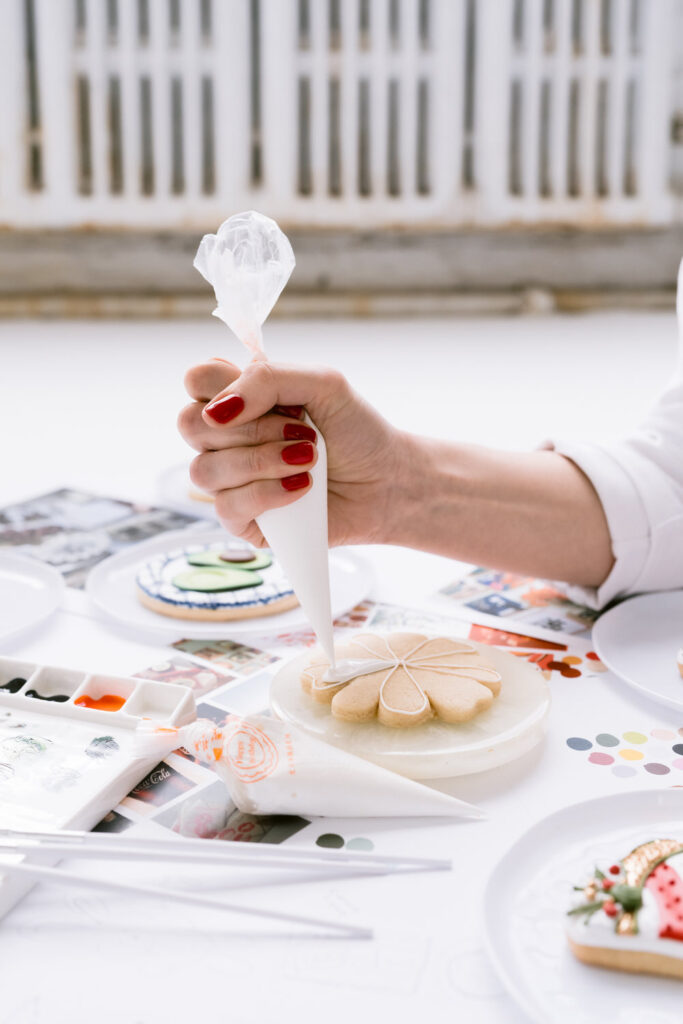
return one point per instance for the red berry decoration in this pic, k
(610, 908)
(615, 869)
(607, 884)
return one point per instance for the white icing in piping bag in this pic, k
(249, 261)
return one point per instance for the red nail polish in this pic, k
(298, 454)
(296, 482)
(225, 409)
(295, 411)
(298, 432)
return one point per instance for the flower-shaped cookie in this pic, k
(406, 679)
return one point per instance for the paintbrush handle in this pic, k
(82, 851)
(67, 878)
(231, 848)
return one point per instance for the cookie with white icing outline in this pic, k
(231, 590)
(629, 915)
(414, 678)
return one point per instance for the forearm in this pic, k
(534, 513)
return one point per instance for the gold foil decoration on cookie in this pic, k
(642, 861)
(638, 865)
(407, 678)
(627, 924)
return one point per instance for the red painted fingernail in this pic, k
(299, 432)
(296, 482)
(295, 411)
(225, 409)
(298, 454)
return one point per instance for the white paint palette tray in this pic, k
(67, 752)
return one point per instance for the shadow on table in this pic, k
(496, 782)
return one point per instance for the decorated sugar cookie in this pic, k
(404, 679)
(217, 582)
(630, 914)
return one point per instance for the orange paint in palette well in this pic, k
(107, 702)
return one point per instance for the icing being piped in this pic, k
(420, 667)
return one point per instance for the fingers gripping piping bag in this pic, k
(269, 767)
(249, 261)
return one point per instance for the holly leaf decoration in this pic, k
(629, 897)
(585, 908)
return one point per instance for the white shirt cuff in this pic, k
(626, 516)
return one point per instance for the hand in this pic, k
(245, 445)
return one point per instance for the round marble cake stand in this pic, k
(512, 726)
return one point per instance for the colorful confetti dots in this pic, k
(579, 743)
(360, 844)
(631, 755)
(623, 771)
(565, 670)
(596, 664)
(635, 737)
(606, 739)
(571, 659)
(677, 748)
(663, 734)
(599, 758)
(330, 841)
(678, 763)
(654, 768)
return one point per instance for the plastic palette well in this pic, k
(67, 753)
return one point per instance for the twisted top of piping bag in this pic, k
(248, 261)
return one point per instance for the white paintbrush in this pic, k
(258, 854)
(58, 876)
(299, 872)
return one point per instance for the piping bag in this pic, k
(272, 767)
(248, 262)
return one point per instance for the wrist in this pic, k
(418, 483)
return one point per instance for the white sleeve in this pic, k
(640, 483)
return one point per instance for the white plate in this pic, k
(513, 725)
(529, 893)
(639, 640)
(30, 591)
(111, 585)
(174, 489)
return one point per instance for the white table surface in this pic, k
(93, 405)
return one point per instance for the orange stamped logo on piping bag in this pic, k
(249, 751)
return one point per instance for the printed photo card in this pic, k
(73, 530)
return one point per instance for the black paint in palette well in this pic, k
(13, 685)
(57, 697)
(102, 746)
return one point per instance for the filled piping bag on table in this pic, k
(271, 767)
(249, 261)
